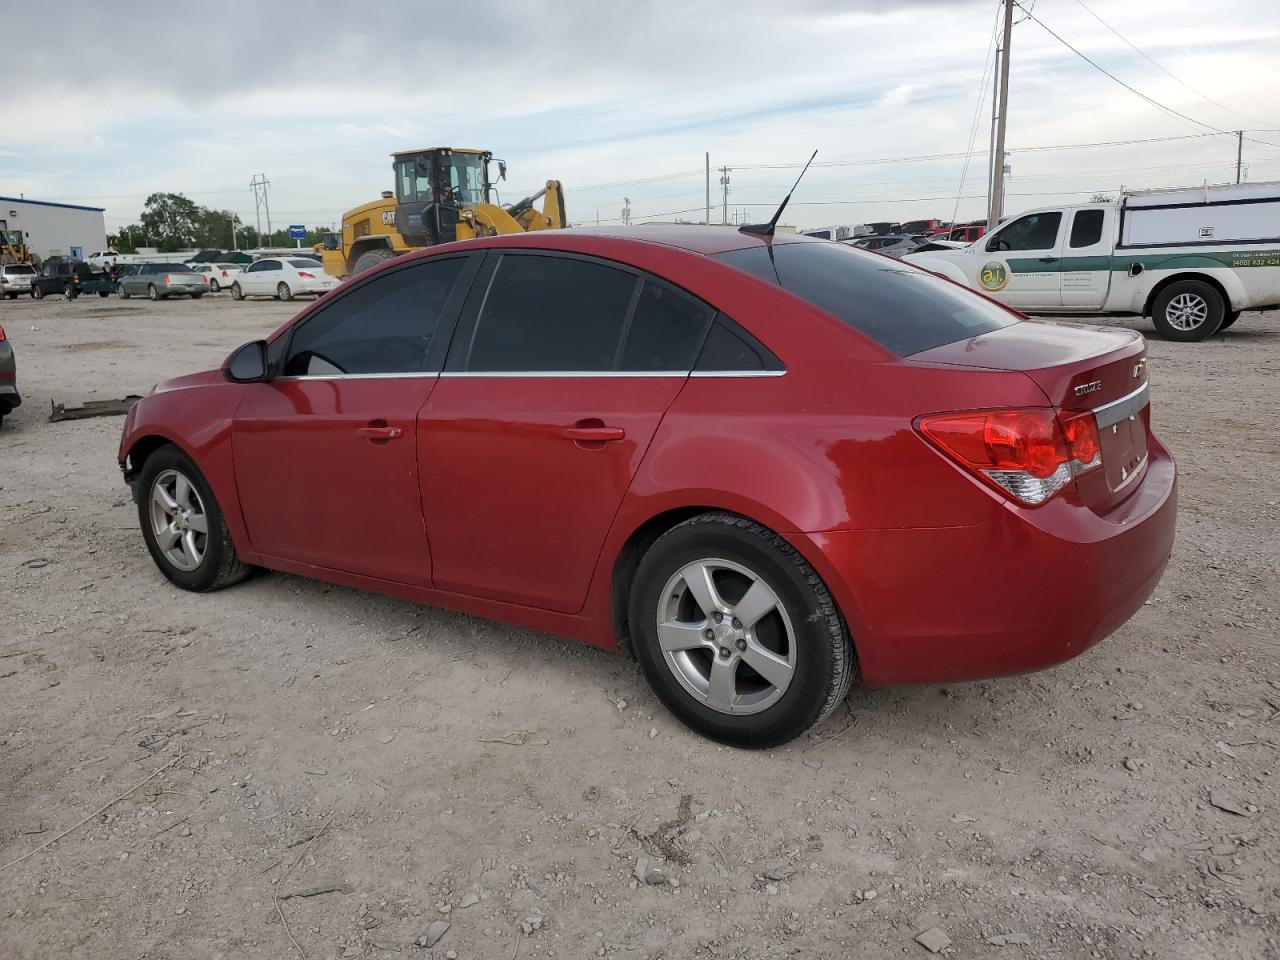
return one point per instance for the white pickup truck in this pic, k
(1191, 258)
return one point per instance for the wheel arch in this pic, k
(141, 447)
(1165, 282)
(377, 241)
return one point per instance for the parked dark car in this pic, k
(8, 378)
(159, 281)
(70, 278)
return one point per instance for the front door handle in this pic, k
(379, 432)
(1048, 259)
(593, 432)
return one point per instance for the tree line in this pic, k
(171, 222)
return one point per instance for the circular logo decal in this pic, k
(993, 276)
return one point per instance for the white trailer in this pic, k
(1190, 258)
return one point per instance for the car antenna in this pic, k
(766, 229)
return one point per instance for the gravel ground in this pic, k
(512, 793)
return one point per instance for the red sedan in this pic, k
(760, 465)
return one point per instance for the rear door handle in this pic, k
(592, 433)
(379, 431)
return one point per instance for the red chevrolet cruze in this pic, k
(761, 465)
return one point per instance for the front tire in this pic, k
(236, 292)
(37, 293)
(1232, 317)
(1188, 311)
(283, 292)
(736, 632)
(183, 526)
(370, 259)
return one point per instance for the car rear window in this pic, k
(19, 269)
(177, 268)
(902, 308)
(305, 264)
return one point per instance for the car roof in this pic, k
(693, 238)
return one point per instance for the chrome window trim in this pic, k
(577, 374)
(1109, 414)
(361, 376)
(738, 373)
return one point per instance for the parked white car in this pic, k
(1190, 258)
(220, 275)
(283, 278)
(101, 258)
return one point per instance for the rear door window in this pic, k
(901, 307)
(665, 331)
(550, 314)
(383, 326)
(730, 349)
(1086, 227)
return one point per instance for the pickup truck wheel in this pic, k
(69, 292)
(1232, 317)
(1188, 311)
(37, 293)
(104, 293)
(152, 292)
(121, 292)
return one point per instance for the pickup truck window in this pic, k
(902, 308)
(1035, 231)
(1086, 228)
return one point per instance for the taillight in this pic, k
(75, 278)
(166, 279)
(2, 335)
(305, 275)
(1030, 454)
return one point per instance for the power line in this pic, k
(1101, 69)
(1161, 68)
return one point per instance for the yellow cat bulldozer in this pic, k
(13, 245)
(442, 194)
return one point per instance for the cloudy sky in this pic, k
(623, 99)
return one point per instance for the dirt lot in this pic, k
(438, 769)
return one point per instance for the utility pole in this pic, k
(1239, 153)
(706, 218)
(626, 211)
(997, 162)
(724, 195)
(259, 185)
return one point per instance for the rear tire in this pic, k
(1188, 311)
(152, 292)
(69, 292)
(104, 293)
(12, 296)
(370, 259)
(175, 500)
(711, 673)
(121, 292)
(283, 292)
(196, 296)
(213, 286)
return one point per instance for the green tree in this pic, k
(1102, 198)
(171, 220)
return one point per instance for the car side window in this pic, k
(1086, 227)
(383, 326)
(550, 313)
(664, 332)
(730, 349)
(1035, 231)
(270, 265)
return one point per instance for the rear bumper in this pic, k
(1021, 591)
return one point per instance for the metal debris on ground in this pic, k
(91, 408)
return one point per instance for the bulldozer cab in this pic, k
(433, 186)
(13, 247)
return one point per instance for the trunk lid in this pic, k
(1078, 367)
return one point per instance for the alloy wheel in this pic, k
(178, 520)
(726, 637)
(1187, 311)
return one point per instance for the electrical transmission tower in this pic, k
(626, 211)
(259, 186)
(724, 194)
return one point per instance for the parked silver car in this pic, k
(894, 245)
(15, 279)
(159, 281)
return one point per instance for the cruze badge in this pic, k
(1085, 388)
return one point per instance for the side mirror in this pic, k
(247, 364)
